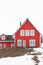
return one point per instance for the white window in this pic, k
(21, 32)
(0, 46)
(4, 45)
(32, 32)
(26, 32)
(3, 37)
(32, 43)
(12, 45)
(24, 43)
(19, 42)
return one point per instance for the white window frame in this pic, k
(32, 42)
(4, 46)
(22, 33)
(26, 32)
(0, 46)
(32, 32)
(19, 42)
(3, 37)
(12, 45)
(24, 43)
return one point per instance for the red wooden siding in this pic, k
(8, 44)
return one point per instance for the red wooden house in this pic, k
(27, 36)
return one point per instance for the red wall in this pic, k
(8, 44)
(28, 26)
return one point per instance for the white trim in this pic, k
(26, 32)
(32, 32)
(4, 46)
(21, 32)
(31, 42)
(3, 37)
(12, 45)
(24, 43)
(0, 46)
(19, 42)
(6, 41)
(40, 40)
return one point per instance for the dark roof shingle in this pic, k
(9, 38)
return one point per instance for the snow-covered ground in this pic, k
(23, 60)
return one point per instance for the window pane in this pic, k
(12, 45)
(27, 32)
(32, 43)
(22, 33)
(19, 42)
(32, 32)
(0, 46)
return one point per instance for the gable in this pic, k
(27, 25)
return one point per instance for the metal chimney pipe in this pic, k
(20, 23)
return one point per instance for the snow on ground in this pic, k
(38, 50)
(41, 59)
(22, 60)
(42, 45)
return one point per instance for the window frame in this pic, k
(27, 32)
(19, 42)
(32, 42)
(3, 37)
(4, 46)
(12, 45)
(32, 32)
(0, 46)
(22, 32)
(24, 42)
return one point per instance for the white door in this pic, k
(24, 43)
(0, 46)
(4, 46)
(12, 45)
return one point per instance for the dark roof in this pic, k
(9, 38)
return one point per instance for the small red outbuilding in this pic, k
(6, 41)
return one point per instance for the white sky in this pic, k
(14, 11)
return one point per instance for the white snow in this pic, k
(42, 45)
(22, 60)
(38, 50)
